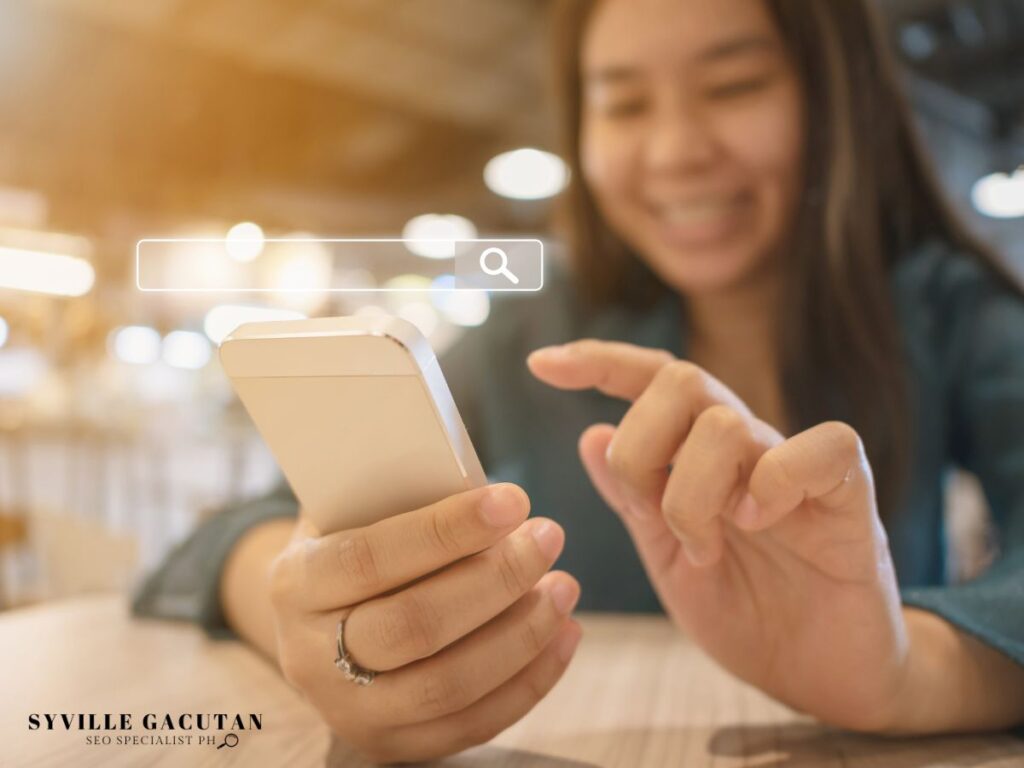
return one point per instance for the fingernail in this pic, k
(567, 643)
(564, 595)
(502, 507)
(747, 513)
(548, 538)
(557, 350)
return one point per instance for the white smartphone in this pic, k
(357, 414)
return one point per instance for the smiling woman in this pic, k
(691, 141)
(760, 149)
(773, 342)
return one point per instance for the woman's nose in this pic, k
(680, 141)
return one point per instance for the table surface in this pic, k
(637, 694)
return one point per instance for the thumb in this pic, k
(593, 448)
(651, 535)
(305, 528)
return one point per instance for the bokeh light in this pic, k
(222, 320)
(1000, 195)
(186, 349)
(244, 241)
(465, 308)
(135, 344)
(433, 226)
(40, 272)
(420, 314)
(526, 174)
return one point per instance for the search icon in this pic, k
(502, 265)
(230, 741)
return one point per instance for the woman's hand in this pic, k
(452, 603)
(768, 552)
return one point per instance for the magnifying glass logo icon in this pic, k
(230, 741)
(502, 265)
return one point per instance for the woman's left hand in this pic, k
(768, 552)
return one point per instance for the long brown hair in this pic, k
(869, 198)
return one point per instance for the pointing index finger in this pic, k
(615, 368)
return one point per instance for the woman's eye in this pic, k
(623, 109)
(737, 88)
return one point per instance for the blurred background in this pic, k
(242, 119)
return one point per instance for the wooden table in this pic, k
(637, 694)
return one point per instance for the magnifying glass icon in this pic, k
(230, 741)
(502, 265)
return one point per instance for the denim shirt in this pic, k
(963, 332)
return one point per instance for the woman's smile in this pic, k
(700, 222)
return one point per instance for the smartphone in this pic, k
(357, 415)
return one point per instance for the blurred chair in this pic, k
(13, 536)
(77, 555)
(14, 529)
(59, 535)
(88, 508)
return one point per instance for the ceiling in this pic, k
(328, 115)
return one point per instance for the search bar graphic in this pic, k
(338, 265)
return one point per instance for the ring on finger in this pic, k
(352, 671)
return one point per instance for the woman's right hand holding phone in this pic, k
(452, 604)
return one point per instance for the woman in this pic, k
(794, 339)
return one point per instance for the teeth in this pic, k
(694, 212)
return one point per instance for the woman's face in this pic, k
(692, 134)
